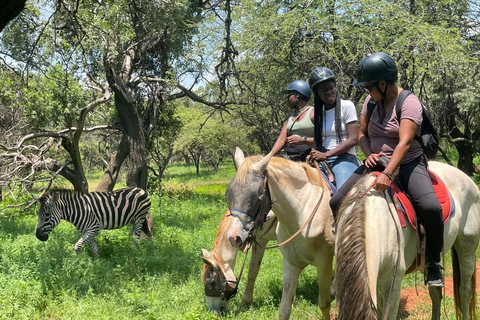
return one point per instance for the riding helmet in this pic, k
(319, 75)
(301, 87)
(375, 67)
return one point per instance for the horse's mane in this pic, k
(222, 229)
(280, 163)
(353, 293)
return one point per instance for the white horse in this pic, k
(219, 264)
(373, 251)
(300, 200)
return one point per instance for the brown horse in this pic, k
(219, 264)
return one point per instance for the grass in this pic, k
(158, 280)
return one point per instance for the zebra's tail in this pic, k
(147, 226)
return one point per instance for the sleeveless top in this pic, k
(301, 128)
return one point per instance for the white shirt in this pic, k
(348, 115)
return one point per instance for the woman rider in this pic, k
(384, 135)
(297, 130)
(336, 126)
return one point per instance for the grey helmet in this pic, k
(319, 75)
(301, 87)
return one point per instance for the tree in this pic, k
(209, 141)
(10, 10)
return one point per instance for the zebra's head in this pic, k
(45, 222)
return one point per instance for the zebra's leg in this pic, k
(137, 228)
(87, 237)
(94, 247)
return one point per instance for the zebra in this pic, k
(93, 211)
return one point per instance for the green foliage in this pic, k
(209, 139)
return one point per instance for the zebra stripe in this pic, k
(94, 211)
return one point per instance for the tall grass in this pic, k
(158, 280)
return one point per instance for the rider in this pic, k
(297, 130)
(384, 135)
(336, 126)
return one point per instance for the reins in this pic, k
(310, 218)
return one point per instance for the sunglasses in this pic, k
(370, 86)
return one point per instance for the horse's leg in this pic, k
(390, 300)
(255, 261)
(324, 278)
(436, 296)
(465, 260)
(290, 282)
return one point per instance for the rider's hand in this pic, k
(381, 183)
(295, 140)
(317, 155)
(372, 160)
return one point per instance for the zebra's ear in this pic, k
(55, 196)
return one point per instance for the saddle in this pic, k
(404, 207)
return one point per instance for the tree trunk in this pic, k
(132, 130)
(109, 179)
(79, 182)
(10, 10)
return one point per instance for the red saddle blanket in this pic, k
(405, 209)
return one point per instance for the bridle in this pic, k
(265, 205)
(227, 289)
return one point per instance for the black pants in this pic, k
(415, 179)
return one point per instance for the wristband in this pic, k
(389, 176)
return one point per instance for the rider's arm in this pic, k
(281, 140)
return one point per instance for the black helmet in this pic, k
(375, 67)
(319, 75)
(301, 87)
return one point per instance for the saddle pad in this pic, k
(333, 189)
(405, 208)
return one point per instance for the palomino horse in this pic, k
(299, 199)
(373, 251)
(218, 271)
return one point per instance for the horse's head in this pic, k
(218, 289)
(246, 197)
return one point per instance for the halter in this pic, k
(226, 290)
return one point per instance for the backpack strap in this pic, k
(370, 107)
(400, 100)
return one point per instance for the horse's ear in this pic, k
(208, 258)
(262, 164)
(239, 157)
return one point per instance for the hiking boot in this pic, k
(434, 276)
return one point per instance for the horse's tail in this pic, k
(472, 309)
(353, 294)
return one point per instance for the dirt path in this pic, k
(409, 298)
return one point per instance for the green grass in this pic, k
(158, 280)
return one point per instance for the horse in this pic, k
(219, 264)
(373, 251)
(299, 197)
